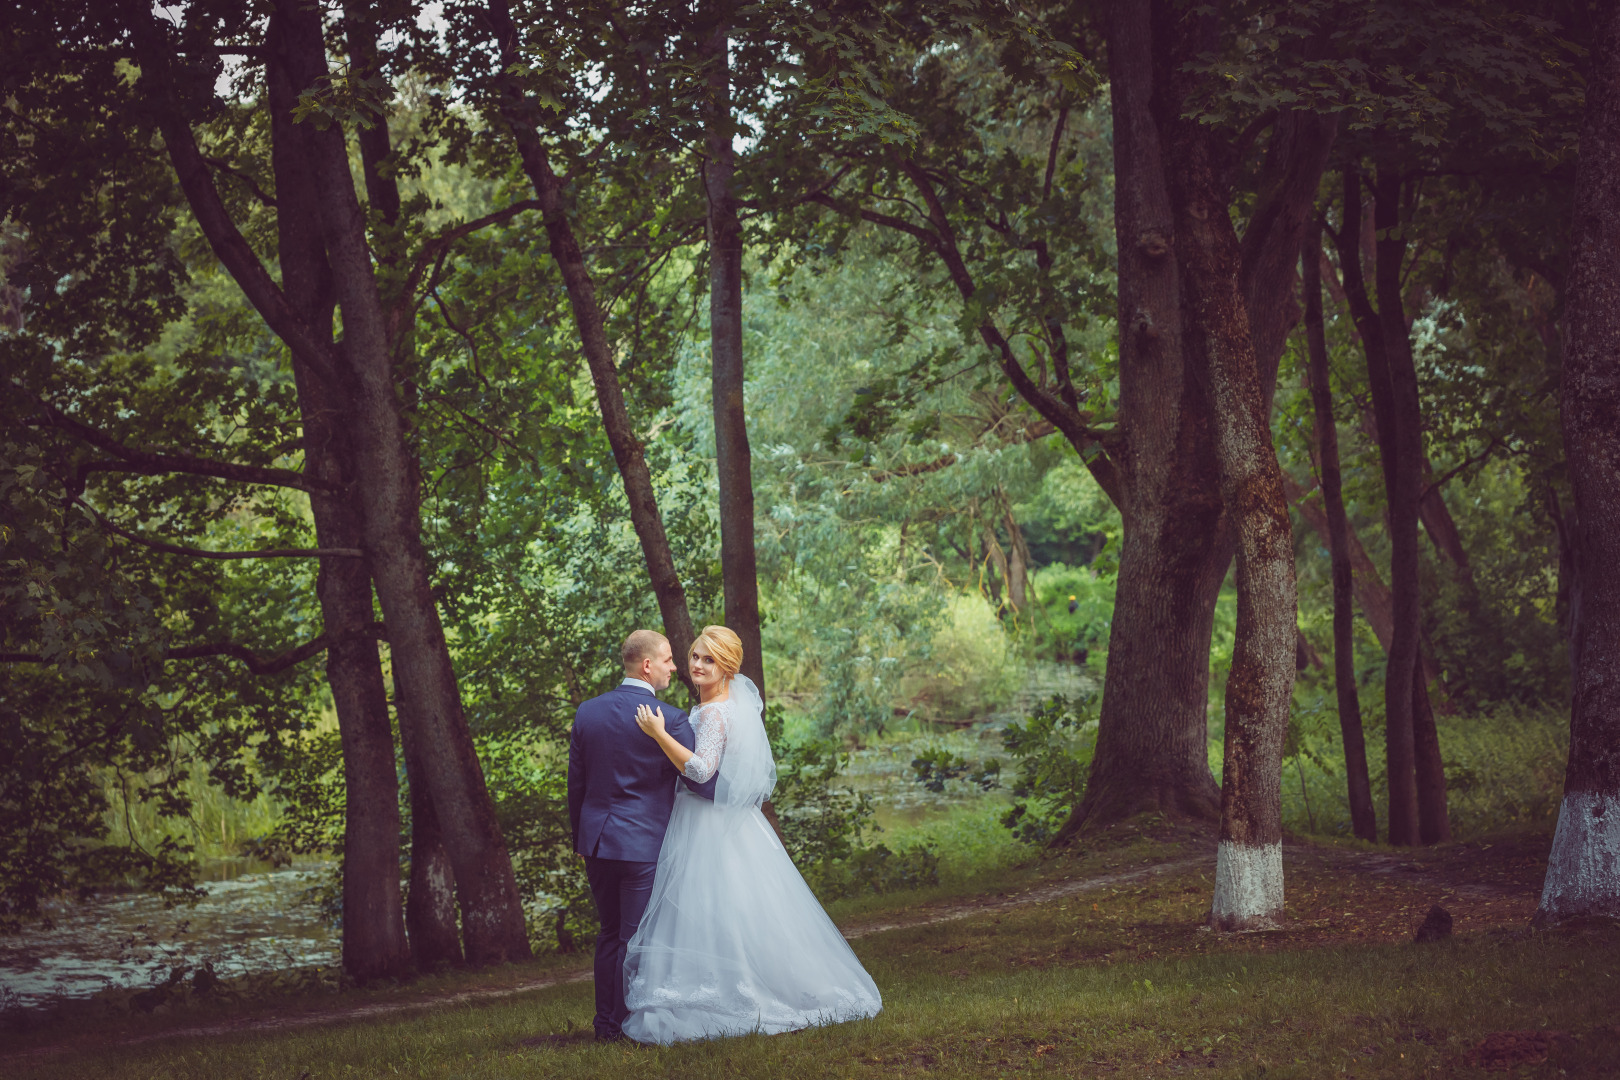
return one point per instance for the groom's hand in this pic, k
(650, 721)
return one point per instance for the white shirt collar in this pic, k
(643, 683)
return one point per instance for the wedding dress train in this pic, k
(733, 940)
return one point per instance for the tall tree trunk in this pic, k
(374, 938)
(1583, 869)
(1371, 594)
(518, 114)
(430, 906)
(1401, 662)
(1259, 690)
(428, 696)
(1152, 741)
(1363, 821)
(1405, 501)
(733, 461)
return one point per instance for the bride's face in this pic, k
(705, 670)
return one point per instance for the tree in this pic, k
(1583, 869)
(522, 114)
(1362, 818)
(1172, 566)
(733, 460)
(1174, 183)
(374, 940)
(1411, 745)
(192, 409)
(363, 367)
(1006, 221)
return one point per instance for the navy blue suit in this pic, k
(621, 790)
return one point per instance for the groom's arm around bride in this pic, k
(621, 789)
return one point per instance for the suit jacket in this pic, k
(621, 787)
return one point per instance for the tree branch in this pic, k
(434, 249)
(1469, 462)
(226, 167)
(151, 462)
(1069, 420)
(941, 239)
(200, 553)
(1052, 151)
(1029, 433)
(155, 53)
(886, 220)
(256, 663)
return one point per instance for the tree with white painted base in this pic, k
(1583, 870)
(1185, 189)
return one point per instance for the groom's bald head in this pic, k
(647, 657)
(642, 645)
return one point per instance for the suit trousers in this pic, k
(621, 890)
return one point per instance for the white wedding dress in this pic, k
(733, 940)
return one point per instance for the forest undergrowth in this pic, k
(1115, 977)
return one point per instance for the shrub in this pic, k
(878, 869)
(1059, 632)
(1051, 752)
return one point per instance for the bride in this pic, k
(733, 940)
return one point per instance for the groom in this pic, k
(621, 790)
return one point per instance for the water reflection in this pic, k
(882, 768)
(251, 923)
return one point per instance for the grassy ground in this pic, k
(1117, 980)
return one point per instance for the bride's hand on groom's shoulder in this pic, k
(650, 721)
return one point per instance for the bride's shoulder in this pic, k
(710, 709)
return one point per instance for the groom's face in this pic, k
(660, 667)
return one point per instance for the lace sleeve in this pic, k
(709, 737)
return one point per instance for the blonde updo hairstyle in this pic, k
(725, 646)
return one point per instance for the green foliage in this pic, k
(823, 827)
(967, 834)
(530, 787)
(971, 667)
(1061, 632)
(1051, 751)
(1069, 520)
(1497, 632)
(878, 869)
(1510, 83)
(1504, 767)
(87, 619)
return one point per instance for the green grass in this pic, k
(1381, 1011)
(969, 837)
(1504, 771)
(1117, 981)
(217, 825)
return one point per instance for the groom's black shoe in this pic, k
(611, 1037)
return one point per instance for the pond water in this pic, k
(266, 920)
(252, 923)
(882, 770)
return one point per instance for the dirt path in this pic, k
(259, 1024)
(1449, 872)
(1038, 894)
